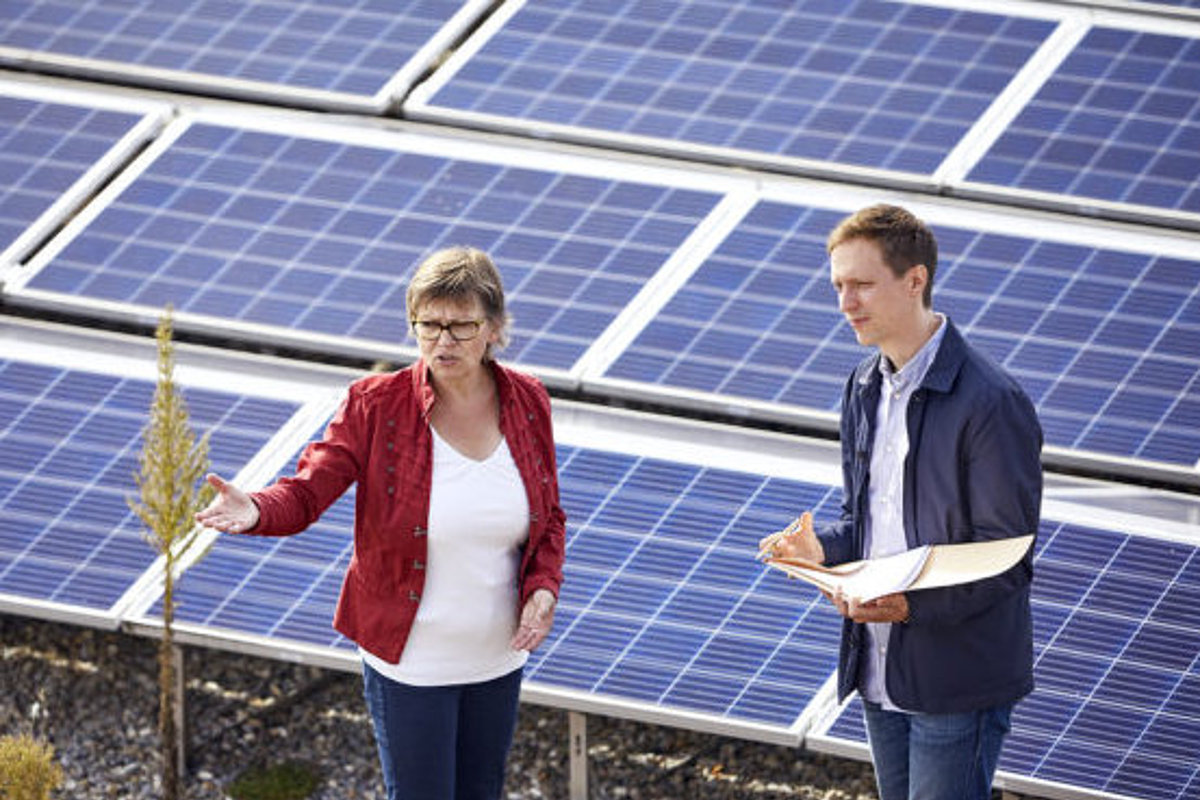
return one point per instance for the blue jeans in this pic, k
(443, 742)
(935, 756)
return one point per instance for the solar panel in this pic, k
(70, 435)
(1101, 330)
(664, 604)
(1118, 121)
(283, 588)
(356, 55)
(1115, 707)
(887, 86)
(311, 237)
(55, 147)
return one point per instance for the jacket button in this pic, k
(414, 596)
(391, 423)
(390, 446)
(418, 531)
(391, 490)
(418, 564)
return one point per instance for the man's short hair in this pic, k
(904, 240)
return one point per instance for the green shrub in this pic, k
(291, 780)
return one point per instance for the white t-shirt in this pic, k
(478, 520)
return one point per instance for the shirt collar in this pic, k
(914, 371)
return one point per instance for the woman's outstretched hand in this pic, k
(231, 510)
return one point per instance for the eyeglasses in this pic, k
(460, 330)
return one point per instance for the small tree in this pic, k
(27, 769)
(170, 483)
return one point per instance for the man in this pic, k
(939, 445)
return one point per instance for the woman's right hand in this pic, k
(231, 510)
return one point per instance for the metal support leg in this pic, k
(577, 730)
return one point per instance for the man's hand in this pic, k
(797, 540)
(231, 510)
(889, 608)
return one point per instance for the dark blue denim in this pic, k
(936, 756)
(443, 742)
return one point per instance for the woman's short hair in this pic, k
(904, 240)
(460, 274)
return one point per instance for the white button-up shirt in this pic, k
(885, 520)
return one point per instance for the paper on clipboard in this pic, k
(951, 564)
(925, 567)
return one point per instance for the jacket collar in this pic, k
(948, 361)
(939, 377)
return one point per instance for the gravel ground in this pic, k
(92, 695)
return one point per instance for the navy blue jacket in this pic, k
(973, 472)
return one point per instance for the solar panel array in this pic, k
(677, 281)
(1108, 106)
(1115, 708)
(231, 225)
(1104, 340)
(69, 443)
(664, 607)
(319, 236)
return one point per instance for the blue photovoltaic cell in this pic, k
(1104, 341)
(874, 84)
(1119, 120)
(45, 147)
(1116, 706)
(319, 236)
(69, 444)
(349, 47)
(663, 602)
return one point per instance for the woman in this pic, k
(458, 534)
